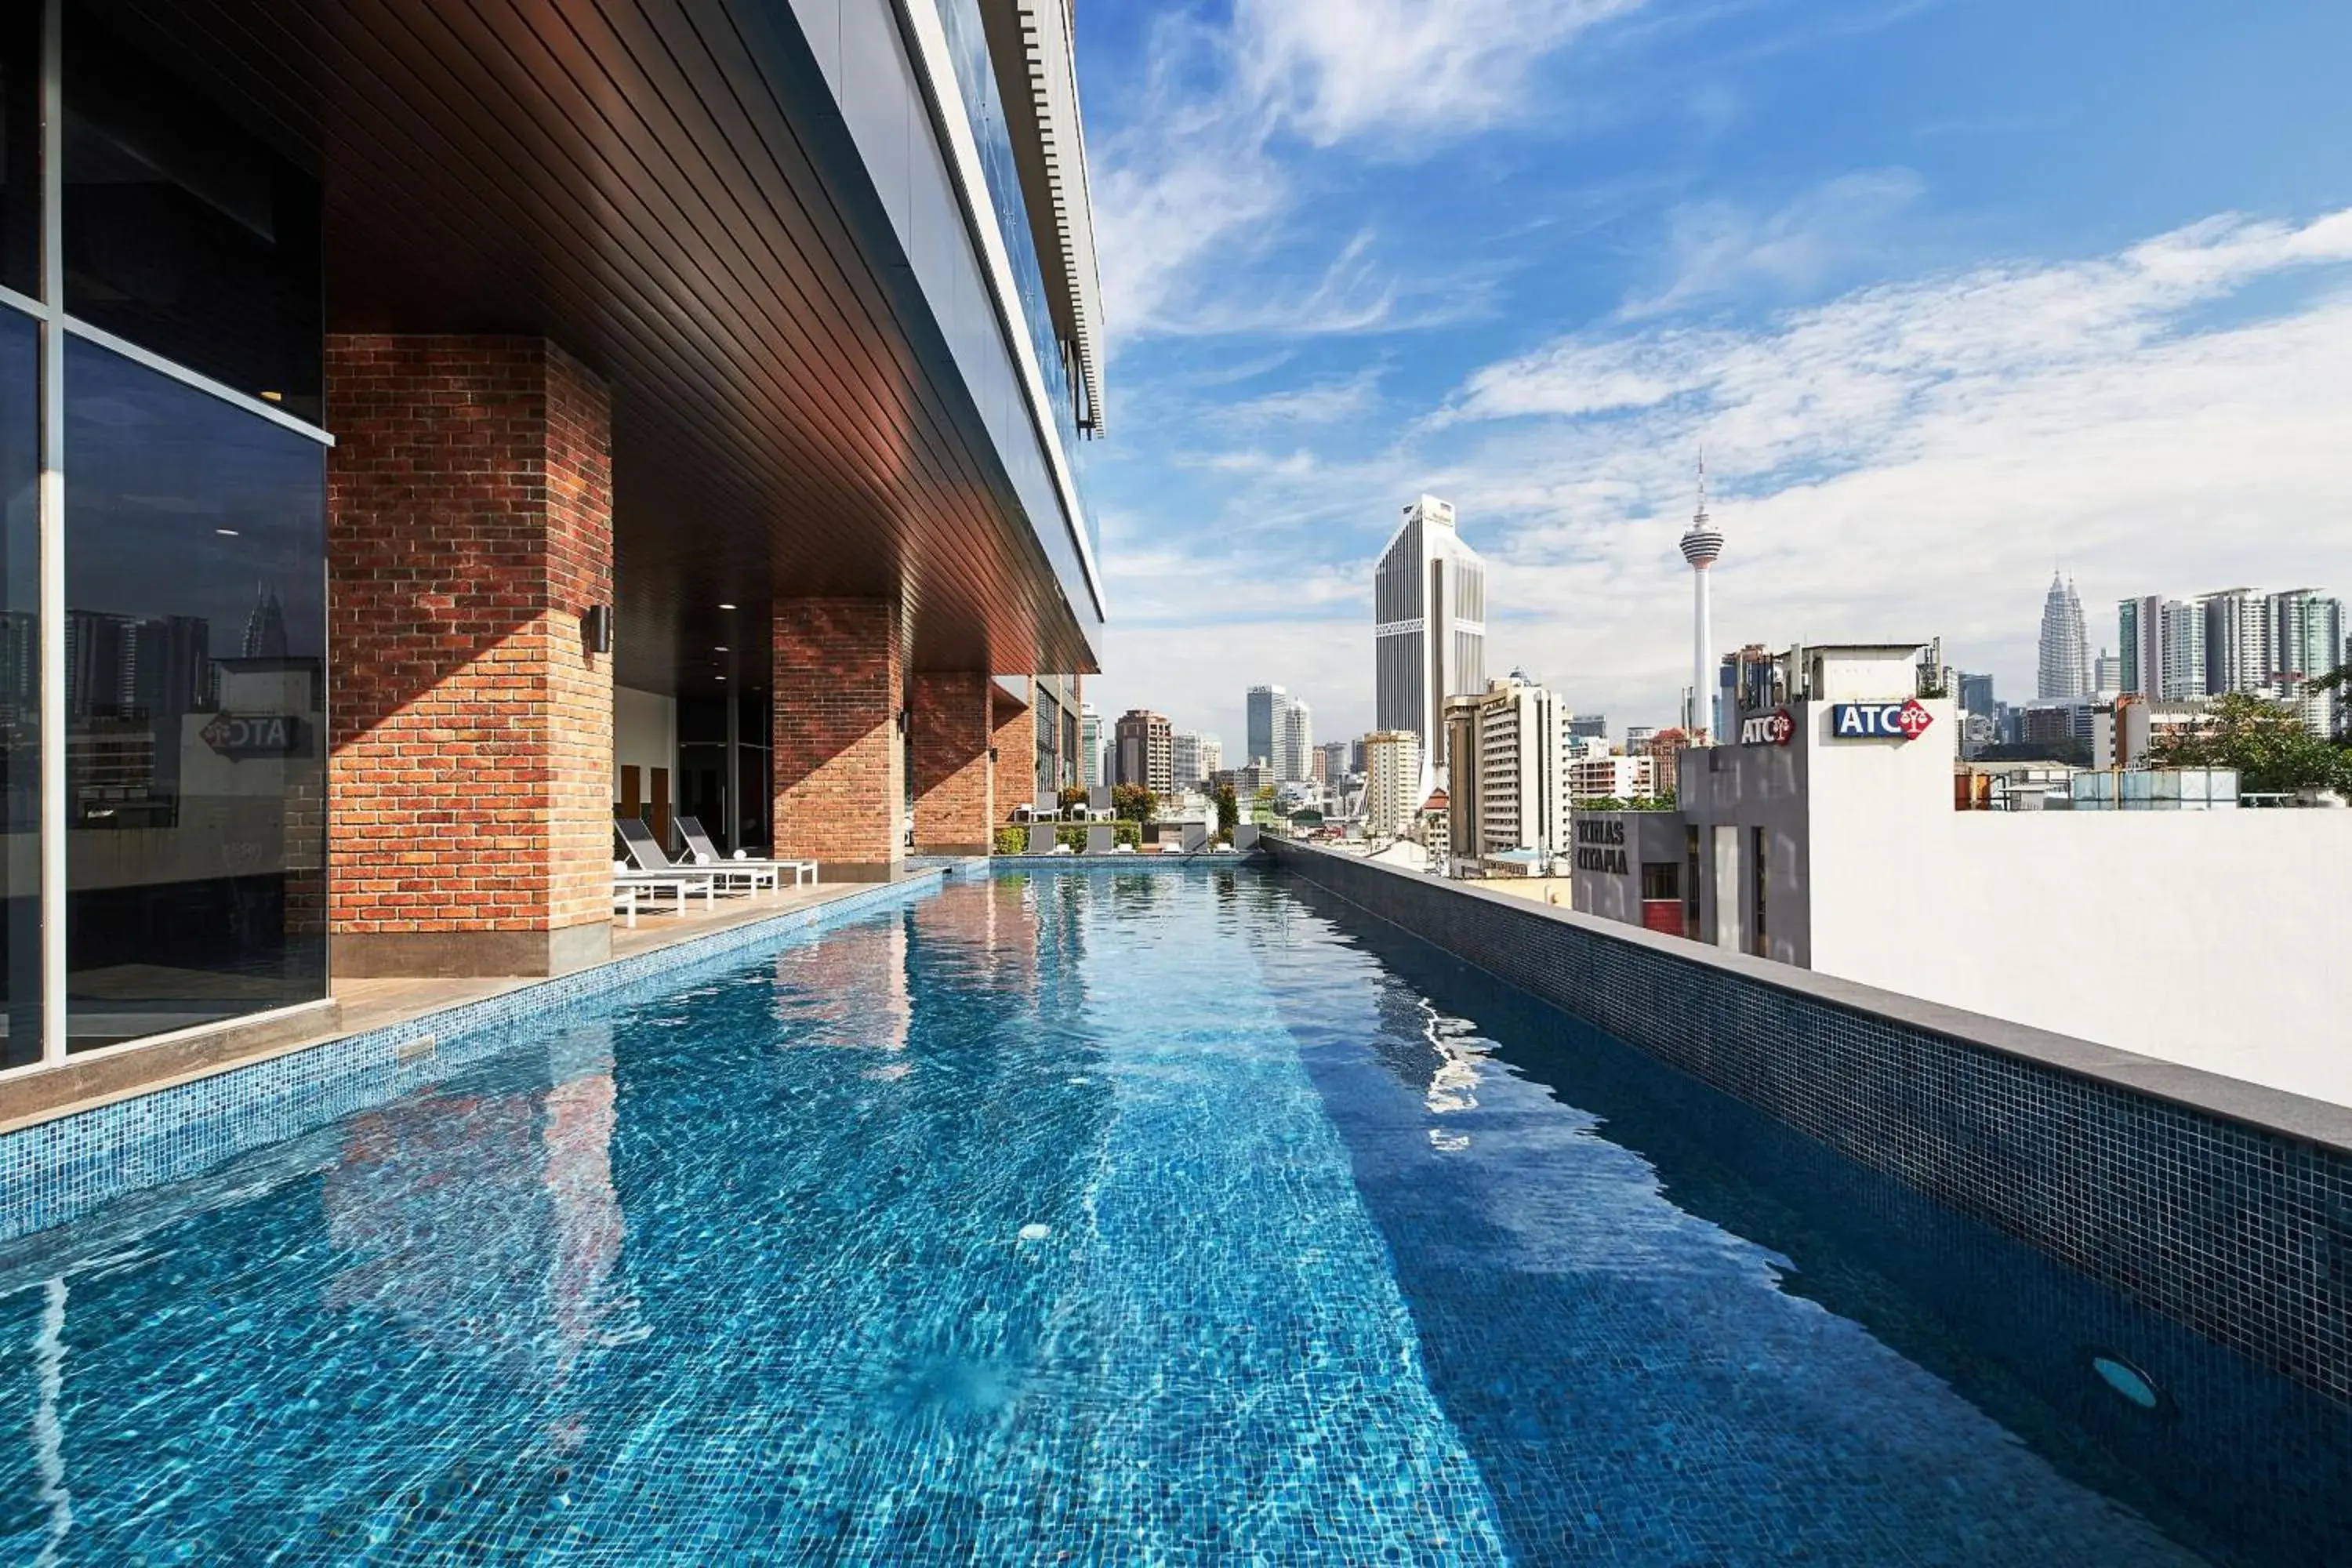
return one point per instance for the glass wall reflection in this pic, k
(195, 642)
(20, 705)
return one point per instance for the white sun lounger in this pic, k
(648, 859)
(700, 851)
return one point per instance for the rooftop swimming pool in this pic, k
(1095, 1217)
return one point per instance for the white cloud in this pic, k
(1718, 248)
(1911, 459)
(1195, 186)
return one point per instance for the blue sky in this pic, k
(1952, 290)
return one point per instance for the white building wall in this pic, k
(645, 736)
(2211, 939)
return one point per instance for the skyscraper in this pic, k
(1394, 788)
(1144, 749)
(1522, 777)
(2237, 640)
(1293, 742)
(1428, 628)
(1264, 702)
(2064, 675)
(1090, 746)
(1702, 545)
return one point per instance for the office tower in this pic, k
(1393, 789)
(1334, 760)
(2237, 640)
(2064, 675)
(1522, 790)
(1212, 752)
(1184, 758)
(1428, 628)
(1976, 693)
(1293, 741)
(1264, 703)
(1143, 742)
(1702, 546)
(1356, 764)
(1090, 746)
(1592, 724)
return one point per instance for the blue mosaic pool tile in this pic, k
(54, 1170)
(2242, 1234)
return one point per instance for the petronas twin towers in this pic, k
(2065, 674)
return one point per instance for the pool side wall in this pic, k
(55, 1170)
(2222, 1205)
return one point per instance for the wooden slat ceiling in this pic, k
(641, 182)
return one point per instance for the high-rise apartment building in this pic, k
(2064, 672)
(1522, 783)
(1293, 741)
(1090, 746)
(1608, 777)
(1589, 724)
(1334, 760)
(1976, 692)
(1392, 787)
(1144, 745)
(1429, 627)
(2236, 634)
(2163, 640)
(1264, 704)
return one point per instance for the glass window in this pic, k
(185, 233)
(196, 636)
(20, 668)
(20, 148)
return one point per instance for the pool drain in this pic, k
(2127, 1381)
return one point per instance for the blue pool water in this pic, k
(1100, 1218)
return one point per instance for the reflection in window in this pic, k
(20, 691)
(185, 232)
(20, 148)
(196, 634)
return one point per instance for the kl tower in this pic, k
(1701, 545)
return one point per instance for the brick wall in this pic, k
(469, 528)
(954, 800)
(839, 760)
(1015, 740)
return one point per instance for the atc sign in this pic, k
(1773, 729)
(240, 736)
(1905, 721)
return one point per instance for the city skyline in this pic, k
(1828, 260)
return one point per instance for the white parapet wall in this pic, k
(2218, 939)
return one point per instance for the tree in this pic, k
(2266, 742)
(1229, 813)
(1073, 797)
(1133, 802)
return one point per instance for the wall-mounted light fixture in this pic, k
(903, 714)
(596, 628)
(992, 753)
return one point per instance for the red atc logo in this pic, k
(1780, 728)
(1913, 720)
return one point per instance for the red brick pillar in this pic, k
(953, 801)
(839, 757)
(1015, 740)
(469, 530)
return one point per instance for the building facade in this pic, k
(1429, 626)
(1090, 746)
(389, 489)
(1393, 777)
(1522, 787)
(1334, 760)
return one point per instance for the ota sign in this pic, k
(1905, 721)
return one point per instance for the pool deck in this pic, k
(355, 1007)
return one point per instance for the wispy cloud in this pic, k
(1717, 248)
(1909, 457)
(1199, 186)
